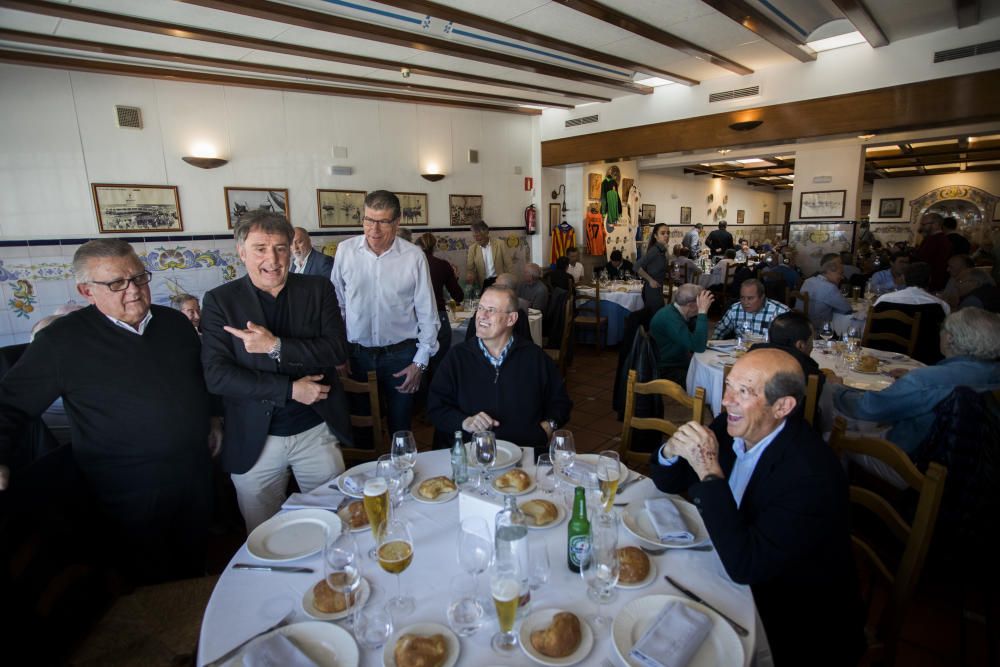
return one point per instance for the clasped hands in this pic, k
(697, 445)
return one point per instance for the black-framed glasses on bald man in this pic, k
(120, 285)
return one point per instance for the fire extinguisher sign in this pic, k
(529, 183)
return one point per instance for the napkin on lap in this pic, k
(277, 651)
(322, 497)
(667, 520)
(674, 637)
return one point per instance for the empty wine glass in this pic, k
(826, 333)
(485, 446)
(403, 450)
(544, 474)
(372, 624)
(600, 566)
(395, 553)
(342, 567)
(475, 546)
(562, 450)
(539, 566)
(465, 610)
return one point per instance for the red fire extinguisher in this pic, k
(530, 220)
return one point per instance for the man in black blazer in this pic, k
(774, 500)
(271, 344)
(306, 260)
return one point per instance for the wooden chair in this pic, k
(663, 388)
(914, 538)
(794, 296)
(905, 344)
(563, 355)
(589, 316)
(812, 395)
(356, 455)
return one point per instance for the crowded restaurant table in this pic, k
(460, 325)
(618, 299)
(245, 602)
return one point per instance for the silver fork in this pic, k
(283, 621)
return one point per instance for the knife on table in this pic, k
(272, 568)
(740, 630)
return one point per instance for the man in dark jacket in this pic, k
(793, 333)
(720, 240)
(498, 381)
(774, 500)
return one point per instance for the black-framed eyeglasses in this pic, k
(122, 284)
(372, 221)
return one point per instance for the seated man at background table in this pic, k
(532, 289)
(753, 308)
(617, 267)
(509, 281)
(189, 307)
(825, 298)
(970, 343)
(682, 268)
(675, 342)
(917, 277)
(745, 252)
(575, 267)
(499, 381)
(773, 497)
(893, 278)
(958, 266)
(775, 268)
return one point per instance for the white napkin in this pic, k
(580, 470)
(356, 483)
(674, 637)
(322, 497)
(667, 520)
(277, 651)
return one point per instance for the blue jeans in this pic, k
(399, 406)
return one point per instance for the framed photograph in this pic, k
(890, 208)
(243, 200)
(464, 210)
(740, 216)
(685, 218)
(647, 214)
(413, 208)
(822, 204)
(594, 186)
(555, 216)
(127, 209)
(767, 217)
(340, 208)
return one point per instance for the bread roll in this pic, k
(561, 638)
(540, 512)
(329, 601)
(634, 565)
(354, 514)
(868, 364)
(434, 487)
(417, 651)
(514, 480)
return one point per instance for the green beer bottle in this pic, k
(578, 538)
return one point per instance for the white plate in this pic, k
(542, 619)
(443, 498)
(309, 603)
(721, 646)
(591, 459)
(645, 582)
(507, 454)
(344, 519)
(326, 644)
(637, 522)
(292, 535)
(868, 384)
(531, 487)
(560, 515)
(368, 466)
(424, 630)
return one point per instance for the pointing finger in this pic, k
(239, 333)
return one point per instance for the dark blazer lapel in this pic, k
(771, 457)
(251, 303)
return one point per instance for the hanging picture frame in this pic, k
(412, 208)
(822, 204)
(133, 209)
(465, 210)
(340, 208)
(685, 215)
(240, 201)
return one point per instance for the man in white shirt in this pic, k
(918, 276)
(486, 257)
(385, 293)
(575, 267)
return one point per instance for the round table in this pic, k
(616, 306)
(841, 322)
(460, 324)
(245, 602)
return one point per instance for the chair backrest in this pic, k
(727, 284)
(914, 537)
(373, 420)
(812, 394)
(775, 287)
(795, 297)
(664, 388)
(591, 308)
(565, 353)
(910, 326)
(928, 347)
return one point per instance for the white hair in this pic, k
(973, 332)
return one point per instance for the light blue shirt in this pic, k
(883, 281)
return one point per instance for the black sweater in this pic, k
(523, 392)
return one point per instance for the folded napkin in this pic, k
(320, 498)
(356, 483)
(277, 651)
(667, 520)
(674, 637)
(581, 471)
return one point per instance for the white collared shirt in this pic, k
(386, 299)
(299, 267)
(913, 296)
(139, 330)
(746, 462)
(490, 270)
(575, 270)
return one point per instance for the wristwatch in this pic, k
(553, 424)
(275, 351)
(422, 367)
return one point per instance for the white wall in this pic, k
(671, 189)
(839, 167)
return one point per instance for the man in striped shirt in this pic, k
(753, 308)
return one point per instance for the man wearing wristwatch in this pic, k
(271, 344)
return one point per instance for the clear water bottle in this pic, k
(511, 542)
(459, 463)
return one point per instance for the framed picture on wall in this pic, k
(685, 215)
(594, 186)
(767, 217)
(340, 208)
(555, 215)
(464, 210)
(740, 216)
(890, 208)
(822, 204)
(647, 214)
(412, 208)
(240, 201)
(127, 209)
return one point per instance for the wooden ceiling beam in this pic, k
(76, 13)
(339, 25)
(124, 69)
(755, 21)
(243, 66)
(484, 24)
(635, 26)
(862, 19)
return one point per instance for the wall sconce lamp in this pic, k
(555, 195)
(746, 126)
(204, 162)
(433, 178)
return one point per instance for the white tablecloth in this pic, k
(631, 301)
(843, 321)
(461, 319)
(245, 602)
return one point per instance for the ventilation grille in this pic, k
(473, 156)
(967, 51)
(583, 120)
(130, 117)
(734, 94)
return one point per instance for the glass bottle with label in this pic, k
(578, 537)
(459, 463)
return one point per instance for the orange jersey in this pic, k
(562, 240)
(594, 228)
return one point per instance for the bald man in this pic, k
(774, 500)
(305, 259)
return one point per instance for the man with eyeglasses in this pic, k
(499, 381)
(131, 380)
(387, 300)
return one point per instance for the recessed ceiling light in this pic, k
(837, 42)
(653, 81)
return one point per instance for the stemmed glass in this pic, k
(505, 585)
(393, 476)
(600, 566)
(485, 445)
(826, 333)
(395, 553)
(538, 564)
(475, 547)
(465, 611)
(608, 472)
(562, 450)
(544, 474)
(403, 450)
(342, 567)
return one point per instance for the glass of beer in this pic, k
(395, 553)
(376, 504)
(608, 471)
(505, 585)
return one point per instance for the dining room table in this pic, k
(618, 300)
(844, 322)
(460, 320)
(247, 601)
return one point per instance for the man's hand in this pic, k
(215, 436)
(704, 301)
(479, 422)
(696, 445)
(654, 284)
(545, 427)
(307, 390)
(898, 372)
(256, 339)
(412, 373)
(4, 477)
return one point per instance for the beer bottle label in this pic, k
(579, 547)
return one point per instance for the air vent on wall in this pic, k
(967, 51)
(130, 117)
(583, 120)
(736, 94)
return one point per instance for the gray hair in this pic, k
(786, 383)
(687, 293)
(508, 293)
(383, 200)
(827, 262)
(509, 280)
(263, 221)
(178, 300)
(99, 249)
(479, 226)
(974, 332)
(533, 270)
(755, 283)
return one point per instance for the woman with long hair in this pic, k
(652, 267)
